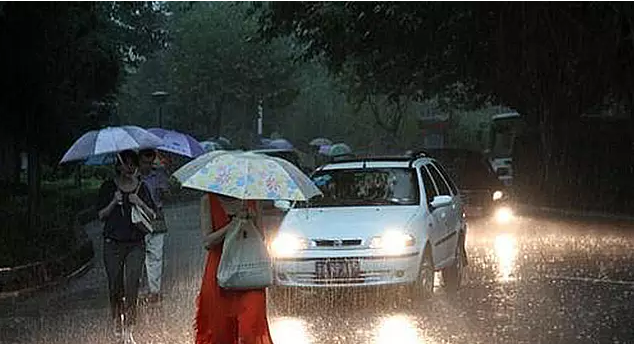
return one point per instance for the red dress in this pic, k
(228, 316)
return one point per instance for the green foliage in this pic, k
(60, 57)
(61, 202)
(215, 70)
(564, 57)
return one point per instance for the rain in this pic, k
(487, 144)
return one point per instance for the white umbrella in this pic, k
(320, 141)
(209, 146)
(111, 140)
(247, 176)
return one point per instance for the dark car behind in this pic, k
(483, 193)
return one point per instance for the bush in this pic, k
(55, 234)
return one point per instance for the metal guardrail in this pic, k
(25, 278)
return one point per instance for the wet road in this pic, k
(533, 281)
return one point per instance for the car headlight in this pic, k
(285, 245)
(498, 195)
(504, 215)
(393, 242)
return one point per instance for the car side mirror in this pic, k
(441, 201)
(282, 205)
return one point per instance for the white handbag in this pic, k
(140, 218)
(245, 262)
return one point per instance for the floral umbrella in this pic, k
(247, 176)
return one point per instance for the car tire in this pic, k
(423, 288)
(452, 276)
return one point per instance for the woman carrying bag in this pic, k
(228, 315)
(124, 246)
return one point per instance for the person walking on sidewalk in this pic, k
(124, 245)
(158, 183)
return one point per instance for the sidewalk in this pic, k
(79, 306)
(575, 213)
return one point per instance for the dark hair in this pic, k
(128, 154)
(150, 153)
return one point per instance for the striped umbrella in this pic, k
(110, 140)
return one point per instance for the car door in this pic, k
(435, 226)
(447, 242)
(457, 200)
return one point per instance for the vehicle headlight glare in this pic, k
(392, 242)
(498, 195)
(285, 245)
(504, 215)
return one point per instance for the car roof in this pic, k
(395, 161)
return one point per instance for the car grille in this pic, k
(364, 277)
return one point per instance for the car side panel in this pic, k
(433, 224)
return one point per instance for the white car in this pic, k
(381, 222)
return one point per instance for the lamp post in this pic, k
(160, 97)
(260, 118)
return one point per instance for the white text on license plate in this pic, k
(337, 269)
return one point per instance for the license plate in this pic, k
(338, 269)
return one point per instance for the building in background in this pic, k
(434, 128)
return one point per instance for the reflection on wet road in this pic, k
(531, 281)
(505, 252)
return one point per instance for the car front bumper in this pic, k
(374, 270)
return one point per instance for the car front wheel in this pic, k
(452, 275)
(423, 288)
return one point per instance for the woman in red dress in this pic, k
(227, 316)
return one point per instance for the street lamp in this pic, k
(160, 97)
(260, 118)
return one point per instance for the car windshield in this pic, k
(365, 187)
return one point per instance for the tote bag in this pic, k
(140, 218)
(245, 262)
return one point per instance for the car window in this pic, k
(368, 186)
(452, 186)
(428, 183)
(443, 188)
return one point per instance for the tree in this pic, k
(216, 69)
(57, 59)
(551, 62)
